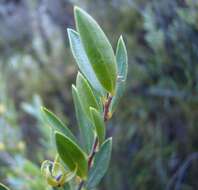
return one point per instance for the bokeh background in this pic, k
(155, 127)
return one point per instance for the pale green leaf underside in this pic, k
(86, 129)
(83, 61)
(101, 164)
(122, 65)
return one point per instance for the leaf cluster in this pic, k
(99, 86)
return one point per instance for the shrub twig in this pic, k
(94, 149)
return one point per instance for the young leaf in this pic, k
(3, 187)
(86, 95)
(84, 124)
(101, 164)
(55, 173)
(82, 60)
(98, 49)
(99, 124)
(57, 124)
(122, 65)
(71, 154)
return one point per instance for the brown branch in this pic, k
(106, 107)
(94, 149)
(93, 152)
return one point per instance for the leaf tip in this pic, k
(77, 12)
(80, 78)
(42, 108)
(76, 8)
(56, 133)
(73, 87)
(110, 140)
(121, 38)
(71, 32)
(92, 109)
(79, 75)
(121, 42)
(74, 92)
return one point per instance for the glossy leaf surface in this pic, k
(71, 154)
(98, 49)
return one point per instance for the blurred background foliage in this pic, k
(155, 128)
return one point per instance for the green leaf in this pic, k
(101, 164)
(3, 187)
(122, 59)
(71, 154)
(66, 187)
(86, 128)
(57, 124)
(86, 95)
(82, 60)
(122, 65)
(99, 124)
(98, 49)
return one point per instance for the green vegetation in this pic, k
(90, 163)
(154, 126)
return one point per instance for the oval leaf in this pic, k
(57, 124)
(98, 49)
(71, 154)
(101, 164)
(3, 187)
(122, 65)
(99, 124)
(86, 95)
(86, 129)
(82, 60)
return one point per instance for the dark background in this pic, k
(155, 128)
